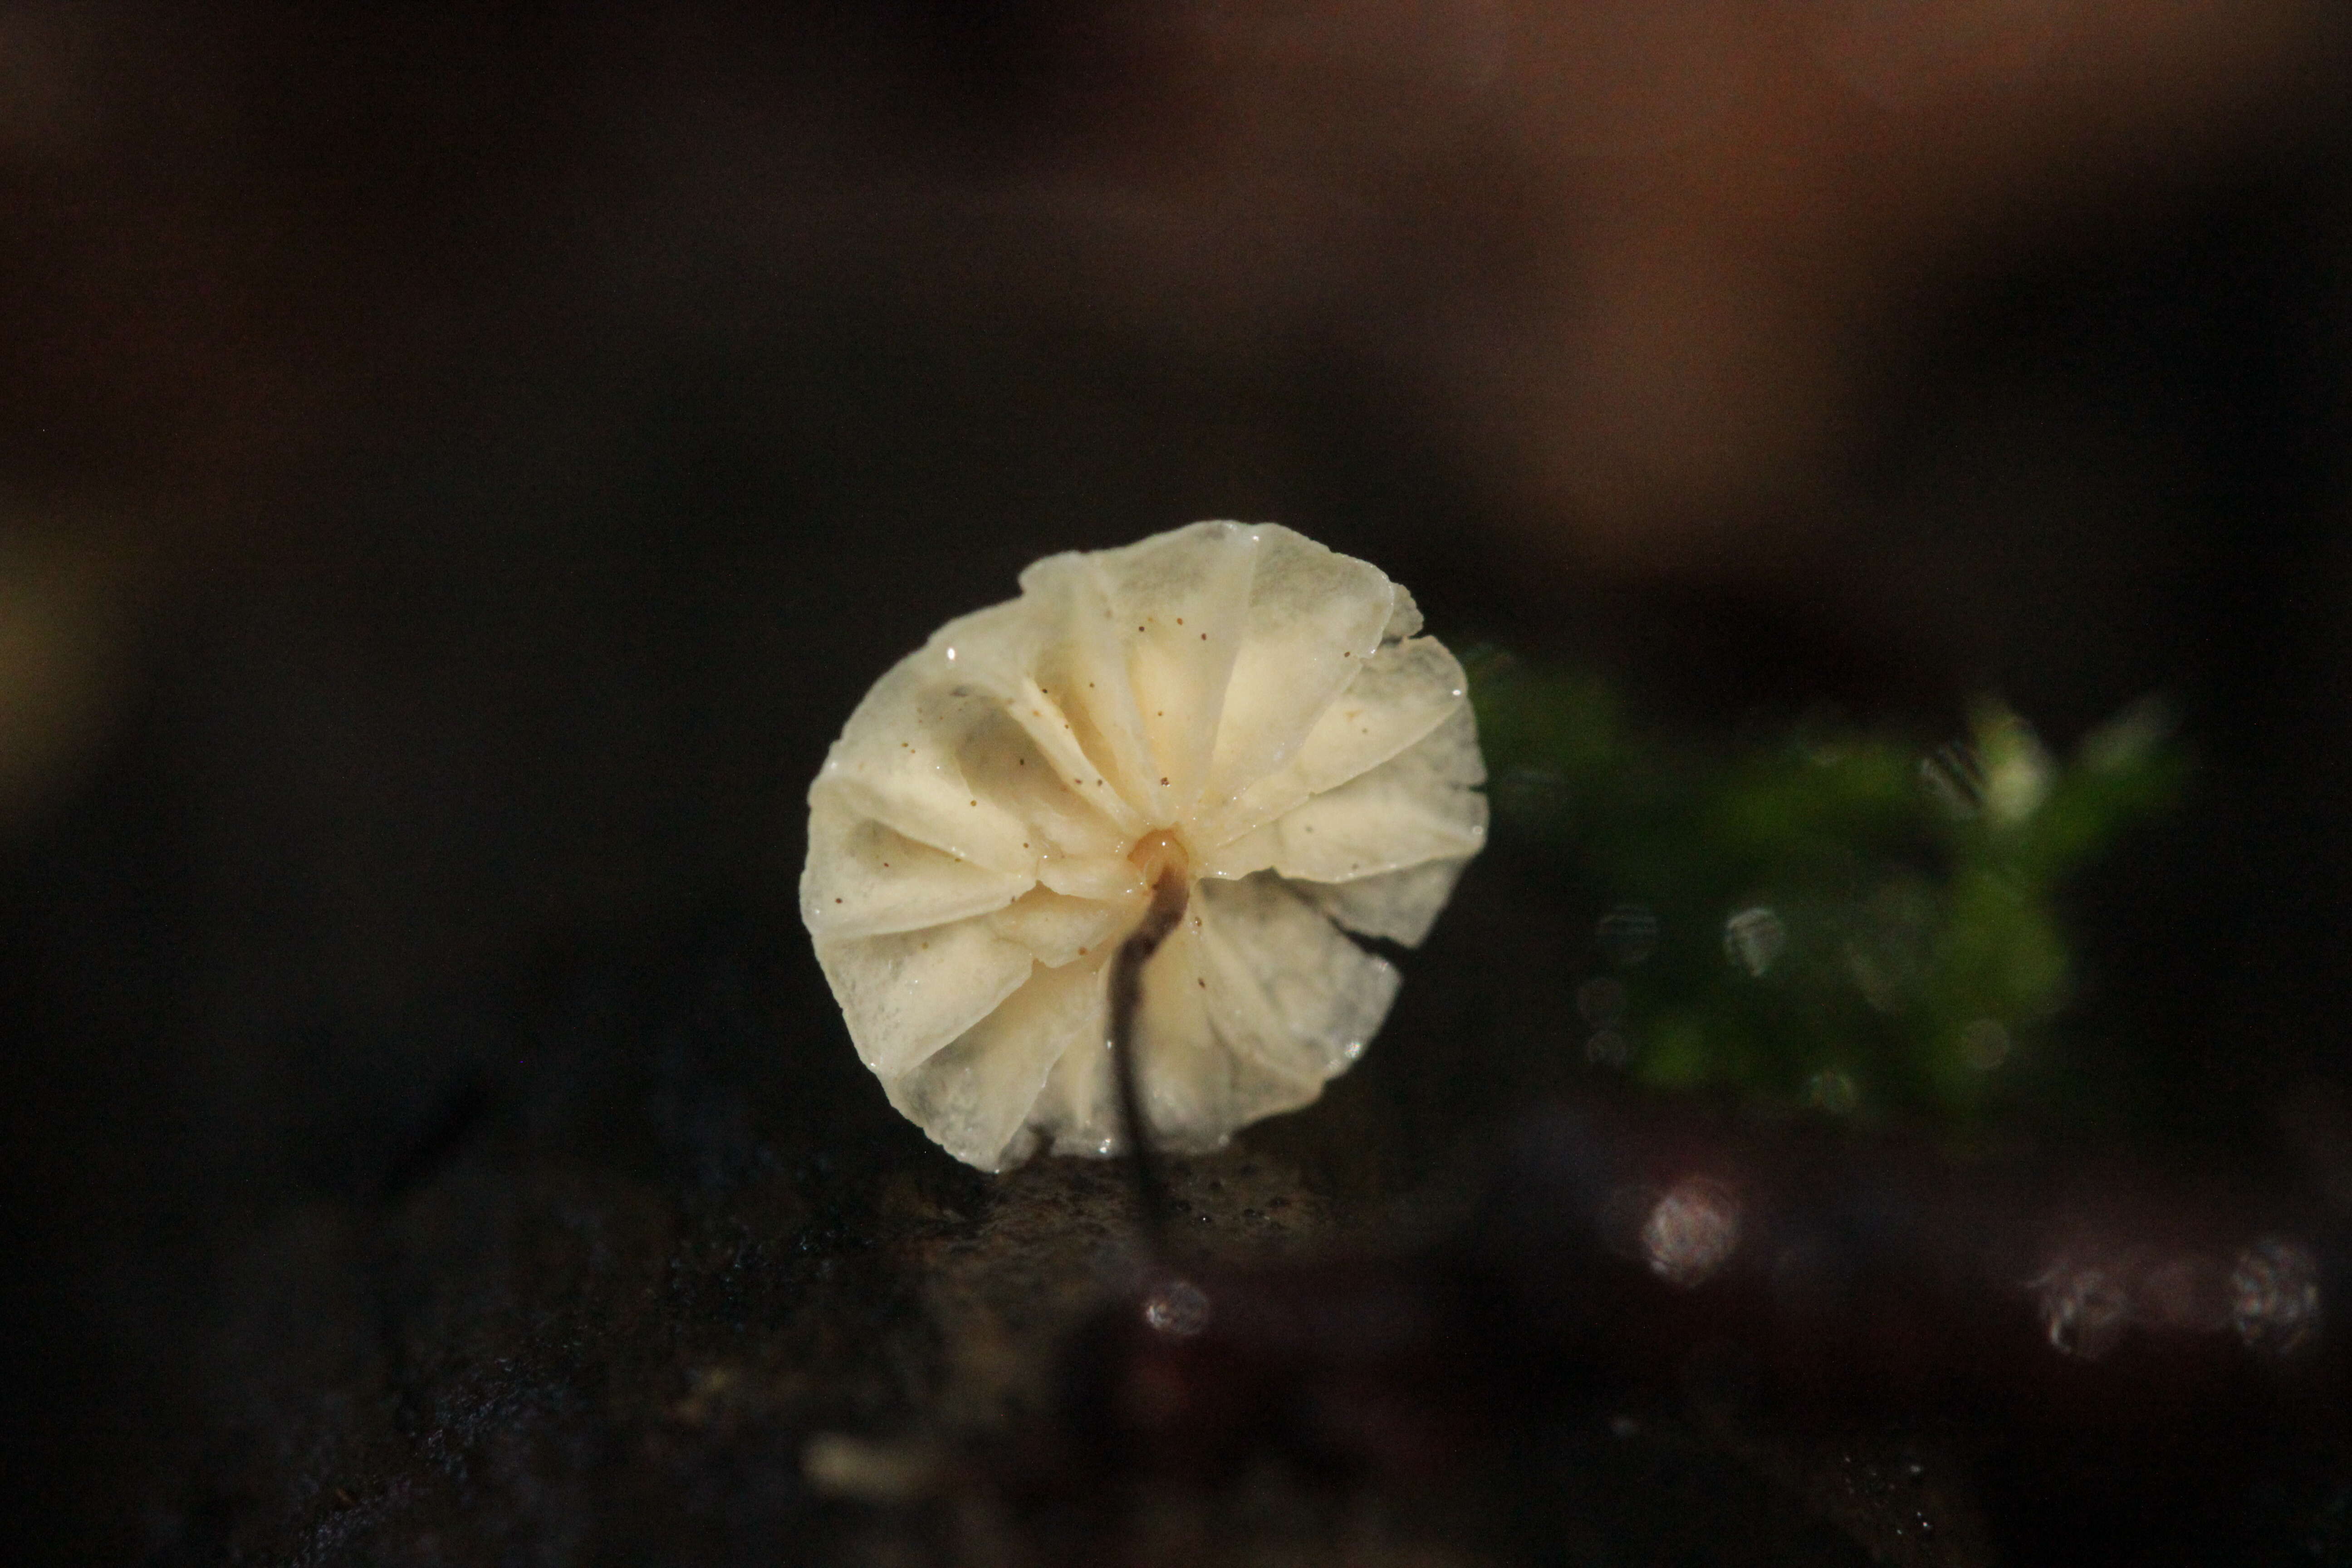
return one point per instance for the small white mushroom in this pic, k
(1234, 705)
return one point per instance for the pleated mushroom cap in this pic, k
(1233, 703)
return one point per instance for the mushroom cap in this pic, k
(1256, 706)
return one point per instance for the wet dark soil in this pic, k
(667, 1281)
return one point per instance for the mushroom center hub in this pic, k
(1159, 856)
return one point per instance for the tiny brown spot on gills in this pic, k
(1139, 629)
(1201, 984)
(1163, 781)
(1180, 620)
(1204, 637)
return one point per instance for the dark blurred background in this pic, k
(459, 465)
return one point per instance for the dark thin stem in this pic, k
(1168, 899)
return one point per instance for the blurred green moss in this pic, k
(1828, 915)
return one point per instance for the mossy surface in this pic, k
(1830, 914)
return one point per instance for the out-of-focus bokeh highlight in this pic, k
(1826, 915)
